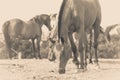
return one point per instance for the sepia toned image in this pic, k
(59, 40)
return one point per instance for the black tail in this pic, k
(6, 34)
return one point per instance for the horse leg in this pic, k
(51, 53)
(38, 48)
(9, 49)
(74, 49)
(10, 53)
(90, 60)
(33, 48)
(96, 35)
(64, 55)
(83, 50)
(82, 43)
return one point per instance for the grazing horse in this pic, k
(17, 29)
(107, 31)
(78, 16)
(53, 37)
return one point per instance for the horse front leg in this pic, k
(38, 48)
(82, 47)
(83, 53)
(74, 49)
(64, 55)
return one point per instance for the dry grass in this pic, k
(44, 70)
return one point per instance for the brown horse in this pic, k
(107, 31)
(78, 16)
(17, 29)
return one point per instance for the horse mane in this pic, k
(60, 17)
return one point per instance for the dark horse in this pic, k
(17, 29)
(80, 16)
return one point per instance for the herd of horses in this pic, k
(82, 17)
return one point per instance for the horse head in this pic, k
(43, 19)
(53, 18)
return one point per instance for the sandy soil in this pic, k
(46, 70)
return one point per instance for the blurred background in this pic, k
(26, 9)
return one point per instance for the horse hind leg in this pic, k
(90, 48)
(96, 35)
(74, 49)
(10, 53)
(33, 49)
(7, 38)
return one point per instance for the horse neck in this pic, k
(44, 19)
(40, 25)
(43, 23)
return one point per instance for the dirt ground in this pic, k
(32, 69)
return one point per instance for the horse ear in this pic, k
(35, 19)
(55, 14)
(50, 16)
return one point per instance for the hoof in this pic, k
(85, 69)
(97, 66)
(94, 67)
(39, 57)
(90, 62)
(75, 61)
(61, 71)
(51, 60)
(96, 61)
(80, 70)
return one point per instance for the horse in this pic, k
(17, 29)
(54, 46)
(107, 31)
(54, 50)
(78, 16)
(106, 37)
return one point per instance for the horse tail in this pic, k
(101, 30)
(60, 18)
(6, 34)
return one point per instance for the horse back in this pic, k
(92, 12)
(15, 27)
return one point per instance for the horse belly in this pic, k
(30, 32)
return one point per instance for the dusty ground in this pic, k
(45, 70)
